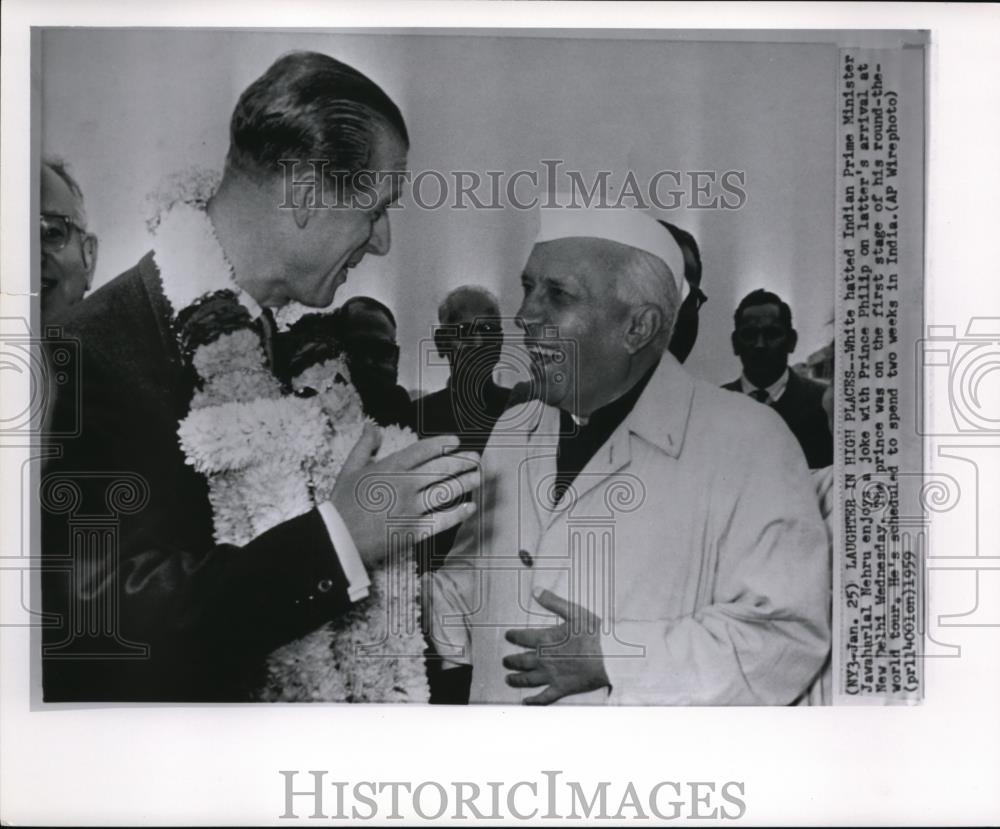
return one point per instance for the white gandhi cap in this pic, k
(627, 226)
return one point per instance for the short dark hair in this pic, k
(59, 167)
(310, 106)
(686, 240)
(762, 297)
(368, 304)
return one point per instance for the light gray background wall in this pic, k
(126, 107)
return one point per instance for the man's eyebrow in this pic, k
(565, 281)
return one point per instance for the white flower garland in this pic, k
(269, 457)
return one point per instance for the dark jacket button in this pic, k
(526, 558)
(325, 585)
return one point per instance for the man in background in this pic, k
(68, 250)
(367, 331)
(763, 338)
(470, 338)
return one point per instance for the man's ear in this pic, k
(302, 212)
(89, 251)
(307, 194)
(645, 323)
(793, 340)
(736, 343)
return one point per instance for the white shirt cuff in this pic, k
(347, 552)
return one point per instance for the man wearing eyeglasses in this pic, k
(470, 338)
(763, 338)
(69, 252)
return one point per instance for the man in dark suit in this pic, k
(763, 338)
(142, 603)
(470, 338)
(368, 331)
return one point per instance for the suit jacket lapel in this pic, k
(177, 376)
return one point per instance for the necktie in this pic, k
(760, 395)
(267, 329)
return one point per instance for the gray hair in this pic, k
(646, 280)
(449, 306)
(61, 169)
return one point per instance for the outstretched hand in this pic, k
(565, 657)
(426, 479)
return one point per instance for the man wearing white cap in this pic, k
(646, 538)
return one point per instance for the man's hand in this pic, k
(425, 480)
(566, 657)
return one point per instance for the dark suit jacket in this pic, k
(444, 413)
(147, 606)
(801, 407)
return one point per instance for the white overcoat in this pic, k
(693, 533)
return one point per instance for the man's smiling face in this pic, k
(574, 322)
(338, 236)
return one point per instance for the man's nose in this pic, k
(530, 315)
(380, 239)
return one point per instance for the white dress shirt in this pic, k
(347, 552)
(774, 391)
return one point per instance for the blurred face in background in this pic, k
(471, 339)
(68, 252)
(763, 343)
(369, 339)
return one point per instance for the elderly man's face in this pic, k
(69, 254)
(474, 337)
(574, 323)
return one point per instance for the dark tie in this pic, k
(268, 327)
(760, 395)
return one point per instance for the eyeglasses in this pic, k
(56, 230)
(467, 330)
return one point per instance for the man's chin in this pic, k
(550, 391)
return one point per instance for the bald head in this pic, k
(471, 335)
(467, 303)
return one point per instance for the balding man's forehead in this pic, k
(467, 308)
(57, 197)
